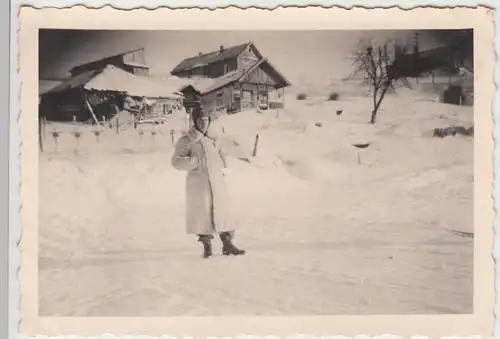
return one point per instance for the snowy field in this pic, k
(328, 228)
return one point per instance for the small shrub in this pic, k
(334, 96)
(318, 124)
(465, 131)
(453, 131)
(301, 96)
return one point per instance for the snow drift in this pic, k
(345, 230)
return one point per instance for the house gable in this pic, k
(131, 61)
(265, 73)
(136, 58)
(249, 57)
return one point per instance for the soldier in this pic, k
(207, 204)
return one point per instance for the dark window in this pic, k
(219, 102)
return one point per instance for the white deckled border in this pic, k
(14, 221)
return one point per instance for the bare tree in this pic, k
(373, 64)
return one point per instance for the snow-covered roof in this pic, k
(114, 79)
(46, 85)
(207, 85)
(211, 57)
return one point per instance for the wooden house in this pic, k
(413, 65)
(232, 79)
(131, 61)
(100, 88)
(100, 93)
(453, 60)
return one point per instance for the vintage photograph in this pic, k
(243, 173)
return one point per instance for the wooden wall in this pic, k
(247, 58)
(117, 61)
(140, 71)
(239, 97)
(214, 70)
(259, 76)
(235, 97)
(223, 95)
(63, 106)
(135, 57)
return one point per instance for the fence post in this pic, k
(256, 145)
(44, 127)
(40, 133)
(55, 135)
(153, 133)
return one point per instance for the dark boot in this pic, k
(228, 247)
(206, 240)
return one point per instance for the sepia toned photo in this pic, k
(259, 173)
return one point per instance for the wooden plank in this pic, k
(92, 112)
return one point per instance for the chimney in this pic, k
(222, 48)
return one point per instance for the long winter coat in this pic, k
(207, 203)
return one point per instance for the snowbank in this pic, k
(363, 224)
(122, 118)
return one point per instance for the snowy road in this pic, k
(280, 277)
(361, 262)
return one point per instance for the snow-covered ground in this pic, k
(329, 228)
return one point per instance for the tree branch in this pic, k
(371, 64)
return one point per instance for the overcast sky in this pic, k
(300, 55)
